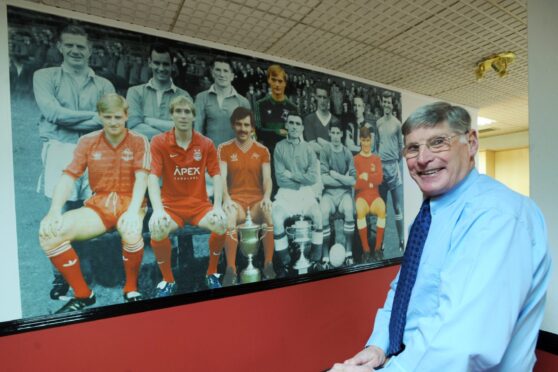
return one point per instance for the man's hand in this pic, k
(50, 226)
(217, 220)
(159, 223)
(130, 223)
(363, 176)
(266, 204)
(365, 360)
(229, 206)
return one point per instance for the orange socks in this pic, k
(268, 244)
(216, 243)
(132, 255)
(363, 233)
(162, 250)
(65, 259)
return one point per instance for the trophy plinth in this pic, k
(249, 240)
(300, 232)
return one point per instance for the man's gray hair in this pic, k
(436, 113)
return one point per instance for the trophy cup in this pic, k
(249, 240)
(300, 233)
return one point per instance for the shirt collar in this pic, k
(233, 91)
(90, 72)
(172, 138)
(452, 195)
(172, 87)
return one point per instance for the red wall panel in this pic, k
(305, 327)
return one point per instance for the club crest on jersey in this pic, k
(127, 155)
(97, 155)
(234, 157)
(197, 155)
(255, 155)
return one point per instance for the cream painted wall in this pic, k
(511, 167)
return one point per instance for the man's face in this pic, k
(359, 107)
(183, 117)
(323, 99)
(294, 127)
(222, 74)
(243, 129)
(277, 84)
(161, 66)
(114, 122)
(387, 105)
(437, 173)
(75, 49)
(335, 135)
(366, 144)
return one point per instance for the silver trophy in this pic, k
(249, 240)
(300, 233)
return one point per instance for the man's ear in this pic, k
(473, 141)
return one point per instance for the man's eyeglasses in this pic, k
(433, 144)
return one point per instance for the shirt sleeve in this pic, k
(142, 154)
(135, 106)
(484, 283)
(199, 124)
(212, 161)
(79, 161)
(266, 155)
(157, 155)
(377, 176)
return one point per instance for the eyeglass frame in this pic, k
(448, 140)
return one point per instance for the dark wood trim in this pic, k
(548, 342)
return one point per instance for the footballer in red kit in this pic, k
(367, 197)
(118, 163)
(179, 159)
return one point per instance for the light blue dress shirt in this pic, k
(478, 300)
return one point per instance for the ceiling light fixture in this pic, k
(498, 62)
(482, 121)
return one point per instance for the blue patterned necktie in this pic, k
(407, 277)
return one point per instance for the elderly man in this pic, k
(149, 102)
(471, 290)
(117, 161)
(67, 96)
(296, 170)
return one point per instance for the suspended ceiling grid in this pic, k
(425, 46)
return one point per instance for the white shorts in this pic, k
(392, 174)
(295, 202)
(56, 156)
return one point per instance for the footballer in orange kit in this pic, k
(118, 164)
(246, 171)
